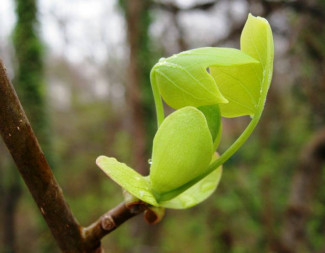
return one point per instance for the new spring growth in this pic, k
(202, 85)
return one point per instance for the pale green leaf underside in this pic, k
(241, 86)
(196, 193)
(183, 79)
(182, 150)
(127, 178)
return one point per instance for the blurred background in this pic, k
(81, 69)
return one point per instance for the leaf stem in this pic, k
(236, 145)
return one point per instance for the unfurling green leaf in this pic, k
(127, 178)
(184, 80)
(182, 150)
(257, 41)
(241, 86)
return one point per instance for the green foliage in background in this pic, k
(29, 74)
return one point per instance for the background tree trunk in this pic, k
(141, 104)
(139, 94)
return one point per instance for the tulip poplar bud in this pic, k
(203, 84)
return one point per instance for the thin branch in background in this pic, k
(174, 8)
(299, 6)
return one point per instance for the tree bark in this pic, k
(111, 220)
(21, 142)
(36, 172)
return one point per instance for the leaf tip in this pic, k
(223, 100)
(100, 159)
(258, 18)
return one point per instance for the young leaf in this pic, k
(182, 150)
(196, 193)
(183, 79)
(127, 178)
(240, 85)
(257, 41)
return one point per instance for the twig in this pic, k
(18, 135)
(111, 220)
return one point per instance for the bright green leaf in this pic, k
(183, 79)
(244, 86)
(127, 178)
(182, 150)
(257, 41)
(196, 193)
(241, 86)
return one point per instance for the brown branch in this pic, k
(305, 184)
(111, 220)
(22, 144)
